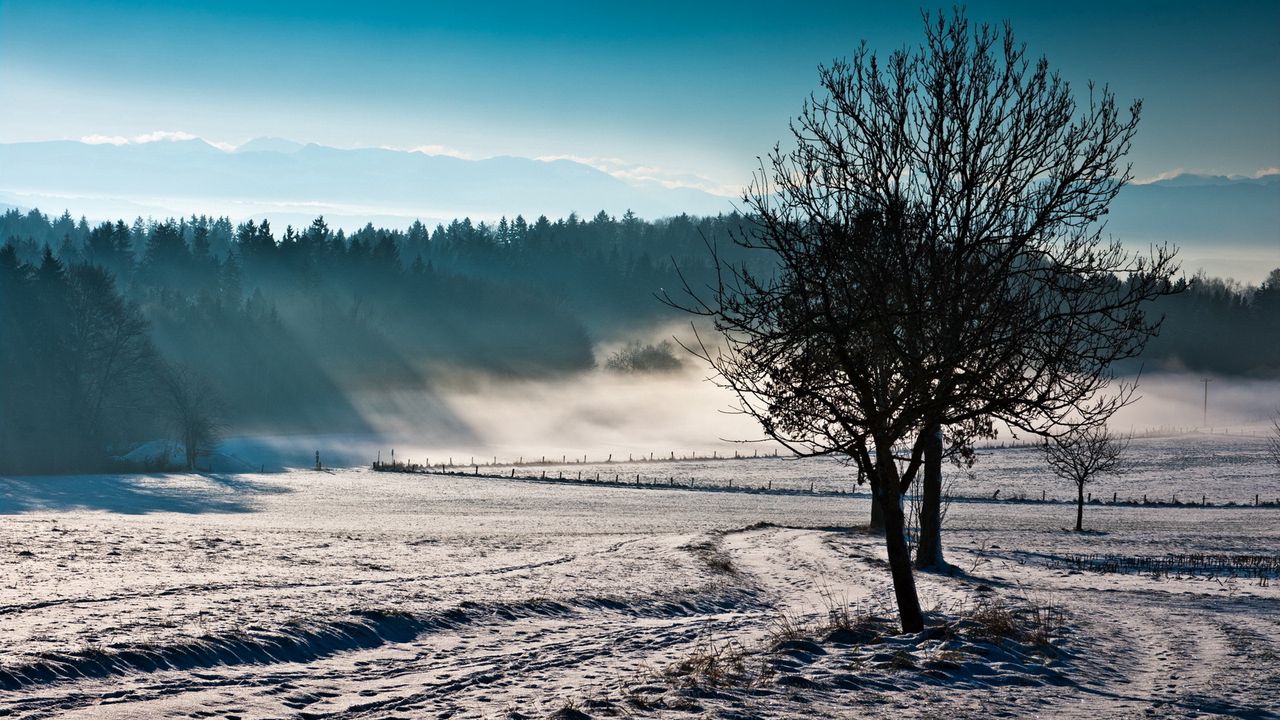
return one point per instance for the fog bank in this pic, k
(599, 414)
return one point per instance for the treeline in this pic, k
(1221, 327)
(292, 329)
(289, 329)
(75, 366)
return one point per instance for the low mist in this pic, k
(601, 413)
(475, 416)
(1177, 401)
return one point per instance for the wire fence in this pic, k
(603, 478)
(448, 463)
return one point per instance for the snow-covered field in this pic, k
(358, 594)
(1193, 467)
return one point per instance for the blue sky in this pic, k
(688, 92)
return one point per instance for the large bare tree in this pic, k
(935, 261)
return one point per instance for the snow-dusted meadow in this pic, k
(350, 593)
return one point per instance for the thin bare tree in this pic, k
(109, 353)
(1273, 439)
(192, 407)
(1083, 454)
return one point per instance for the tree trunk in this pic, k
(929, 547)
(877, 514)
(189, 447)
(1079, 506)
(889, 498)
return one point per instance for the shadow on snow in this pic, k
(133, 494)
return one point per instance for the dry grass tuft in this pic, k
(717, 665)
(787, 627)
(571, 710)
(995, 620)
(712, 555)
(854, 624)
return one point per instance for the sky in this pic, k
(684, 92)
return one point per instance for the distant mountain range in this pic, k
(282, 178)
(1201, 209)
(1229, 225)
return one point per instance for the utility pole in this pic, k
(1205, 420)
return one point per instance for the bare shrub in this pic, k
(636, 357)
(193, 408)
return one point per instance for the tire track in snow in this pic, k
(1172, 656)
(244, 662)
(232, 587)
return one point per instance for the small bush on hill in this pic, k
(636, 357)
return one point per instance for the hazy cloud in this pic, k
(641, 174)
(162, 135)
(1170, 174)
(104, 140)
(154, 136)
(1166, 175)
(440, 150)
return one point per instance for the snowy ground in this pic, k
(360, 594)
(1161, 469)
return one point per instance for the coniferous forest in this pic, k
(119, 332)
